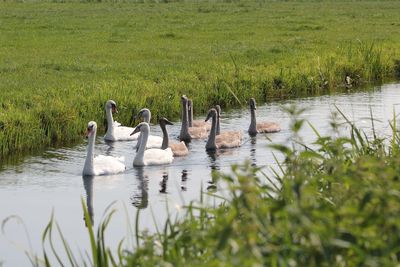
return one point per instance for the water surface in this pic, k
(52, 182)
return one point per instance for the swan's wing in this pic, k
(155, 156)
(198, 132)
(229, 139)
(116, 124)
(124, 133)
(179, 149)
(268, 127)
(154, 141)
(104, 165)
(201, 123)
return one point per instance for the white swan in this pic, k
(196, 123)
(188, 133)
(263, 127)
(152, 156)
(153, 140)
(100, 165)
(229, 141)
(116, 132)
(178, 149)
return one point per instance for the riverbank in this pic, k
(60, 62)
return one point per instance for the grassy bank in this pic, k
(60, 62)
(334, 205)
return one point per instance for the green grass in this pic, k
(336, 204)
(60, 62)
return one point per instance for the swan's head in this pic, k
(165, 121)
(91, 128)
(211, 114)
(252, 104)
(145, 114)
(110, 104)
(184, 99)
(141, 127)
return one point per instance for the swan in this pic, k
(222, 135)
(116, 132)
(153, 140)
(100, 165)
(188, 133)
(229, 141)
(196, 123)
(263, 127)
(178, 149)
(152, 156)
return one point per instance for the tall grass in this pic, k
(67, 59)
(333, 204)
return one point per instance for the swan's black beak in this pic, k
(208, 117)
(137, 129)
(168, 122)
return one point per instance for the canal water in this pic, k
(52, 182)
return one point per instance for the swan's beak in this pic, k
(137, 129)
(208, 117)
(168, 122)
(114, 109)
(88, 131)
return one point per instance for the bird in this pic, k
(153, 140)
(221, 135)
(263, 127)
(196, 123)
(178, 149)
(229, 141)
(116, 132)
(188, 133)
(100, 165)
(151, 156)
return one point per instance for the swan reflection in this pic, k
(184, 178)
(163, 183)
(88, 185)
(140, 197)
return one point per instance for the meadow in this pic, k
(60, 61)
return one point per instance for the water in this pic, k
(52, 182)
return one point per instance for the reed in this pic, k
(69, 58)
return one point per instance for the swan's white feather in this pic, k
(104, 165)
(154, 156)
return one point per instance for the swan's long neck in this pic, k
(139, 158)
(146, 118)
(253, 123)
(218, 130)
(88, 168)
(184, 135)
(165, 140)
(190, 116)
(211, 145)
(110, 124)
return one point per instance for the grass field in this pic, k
(60, 62)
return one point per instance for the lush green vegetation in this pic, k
(335, 204)
(60, 62)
